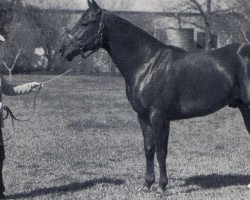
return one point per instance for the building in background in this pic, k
(45, 28)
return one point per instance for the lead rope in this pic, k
(13, 117)
(53, 79)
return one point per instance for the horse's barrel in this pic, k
(183, 38)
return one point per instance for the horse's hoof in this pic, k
(159, 191)
(146, 188)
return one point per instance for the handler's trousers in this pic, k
(2, 158)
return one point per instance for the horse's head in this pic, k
(86, 35)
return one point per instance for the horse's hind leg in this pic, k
(245, 111)
(149, 148)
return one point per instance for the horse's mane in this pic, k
(145, 33)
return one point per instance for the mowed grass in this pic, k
(84, 142)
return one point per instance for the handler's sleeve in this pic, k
(12, 90)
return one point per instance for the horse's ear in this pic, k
(96, 6)
(90, 4)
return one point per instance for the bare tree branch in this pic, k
(198, 6)
(10, 69)
(243, 33)
(15, 60)
(4, 63)
(182, 20)
(247, 18)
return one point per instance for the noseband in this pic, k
(97, 39)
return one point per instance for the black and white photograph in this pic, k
(125, 100)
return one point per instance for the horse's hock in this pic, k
(183, 38)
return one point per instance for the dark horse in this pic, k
(163, 83)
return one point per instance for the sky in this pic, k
(138, 5)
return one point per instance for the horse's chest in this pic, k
(152, 88)
(139, 97)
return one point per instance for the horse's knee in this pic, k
(149, 151)
(148, 135)
(157, 119)
(161, 129)
(149, 143)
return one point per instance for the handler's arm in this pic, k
(12, 90)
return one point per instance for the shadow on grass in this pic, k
(215, 181)
(73, 187)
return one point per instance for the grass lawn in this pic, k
(84, 142)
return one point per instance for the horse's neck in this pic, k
(128, 46)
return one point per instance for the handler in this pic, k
(10, 90)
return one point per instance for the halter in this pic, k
(98, 35)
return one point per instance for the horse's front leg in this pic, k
(161, 129)
(149, 148)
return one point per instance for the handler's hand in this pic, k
(34, 86)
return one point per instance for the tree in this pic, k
(116, 5)
(243, 22)
(231, 18)
(49, 26)
(204, 8)
(11, 67)
(206, 16)
(211, 13)
(8, 11)
(233, 21)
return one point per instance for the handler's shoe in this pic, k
(2, 196)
